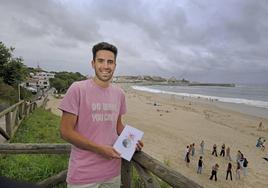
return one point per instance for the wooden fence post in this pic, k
(8, 124)
(126, 174)
(31, 108)
(26, 108)
(15, 116)
(21, 110)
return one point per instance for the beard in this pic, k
(104, 78)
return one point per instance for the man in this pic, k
(214, 171)
(200, 165)
(91, 122)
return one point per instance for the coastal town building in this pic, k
(40, 80)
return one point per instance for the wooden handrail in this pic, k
(14, 116)
(172, 177)
(9, 109)
(33, 148)
(147, 163)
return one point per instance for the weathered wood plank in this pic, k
(14, 120)
(20, 148)
(173, 178)
(24, 109)
(148, 180)
(54, 180)
(8, 123)
(21, 110)
(45, 101)
(9, 109)
(4, 134)
(31, 108)
(126, 174)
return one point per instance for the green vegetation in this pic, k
(41, 127)
(8, 94)
(12, 72)
(12, 69)
(63, 80)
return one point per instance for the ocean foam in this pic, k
(256, 103)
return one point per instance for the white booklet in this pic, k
(126, 142)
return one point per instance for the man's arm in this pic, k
(120, 126)
(68, 133)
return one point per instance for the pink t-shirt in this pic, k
(97, 110)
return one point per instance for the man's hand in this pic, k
(109, 152)
(139, 145)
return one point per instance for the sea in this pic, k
(249, 99)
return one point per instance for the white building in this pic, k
(40, 80)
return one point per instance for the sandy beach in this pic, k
(173, 123)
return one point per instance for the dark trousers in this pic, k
(229, 172)
(213, 173)
(215, 152)
(10, 183)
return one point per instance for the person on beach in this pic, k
(222, 150)
(200, 165)
(190, 148)
(202, 146)
(245, 166)
(239, 156)
(229, 171)
(193, 150)
(187, 156)
(260, 126)
(228, 154)
(214, 171)
(263, 145)
(91, 121)
(238, 171)
(259, 142)
(187, 150)
(214, 150)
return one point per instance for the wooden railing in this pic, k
(144, 164)
(15, 114)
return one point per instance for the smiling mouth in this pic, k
(105, 73)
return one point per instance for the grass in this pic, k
(41, 127)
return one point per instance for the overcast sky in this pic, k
(199, 40)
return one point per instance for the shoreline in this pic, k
(170, 124)
(261, 112)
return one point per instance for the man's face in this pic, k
(104, 65)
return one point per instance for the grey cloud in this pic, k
(194, 39)
(50, 18)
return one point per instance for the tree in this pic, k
(59, 84)
(63, 80)
(14, 72)
(5, 56)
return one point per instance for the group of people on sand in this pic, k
(190, 150)
(261, 143)
(241, 161)
(223, 153)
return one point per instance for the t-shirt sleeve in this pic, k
(70, 102)
(123, 108)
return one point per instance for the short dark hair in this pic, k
(104, 46)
